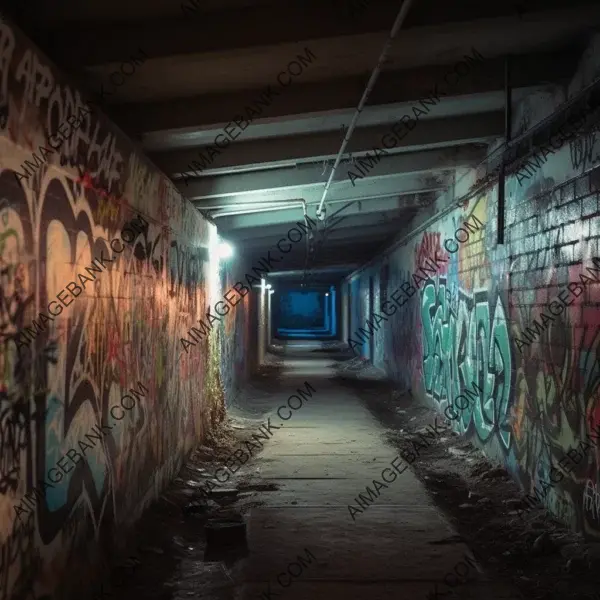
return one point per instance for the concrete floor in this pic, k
(321, 459)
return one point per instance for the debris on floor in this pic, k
(258, 487)
(542, 558)
(225, 532)
(359, 368)
(184, 525)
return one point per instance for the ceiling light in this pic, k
(225, 250)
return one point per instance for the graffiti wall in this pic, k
(465, 339)
(512, 327)
(237, 335)
(88, 311)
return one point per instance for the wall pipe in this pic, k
(507, 132)
(406, 4)
(488, 181)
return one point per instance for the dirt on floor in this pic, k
(169, 555)
(539, 555)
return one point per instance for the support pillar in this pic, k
(345, 295)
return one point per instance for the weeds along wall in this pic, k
(120, 330)
(474, 319)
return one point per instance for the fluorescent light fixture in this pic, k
(225, 250)
(269, 286)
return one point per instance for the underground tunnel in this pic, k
(298, 300)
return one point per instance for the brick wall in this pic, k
(464, 325)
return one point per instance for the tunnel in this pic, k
(298, 300)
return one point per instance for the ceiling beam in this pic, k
(370, 230)
(337, 269)
(331, 58)
(432, 133)
(352, 254)
(312, 196)
(289, 216)
(407, 200)
(412, 183)
(307, 175)
(221, 31)
(393, 87)
(228, 220)
(194, 32)
(357, 215)
(333, 270)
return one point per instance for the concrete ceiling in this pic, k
(207, 64)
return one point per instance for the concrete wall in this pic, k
(537, 395)
(122, 332)
(237, 334)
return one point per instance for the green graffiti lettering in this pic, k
(466, 344)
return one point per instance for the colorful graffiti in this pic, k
(557, 396)
(465, 340)
(236, 337)
(532, 406)
(401, 348)
(585, 151)
(123, 328)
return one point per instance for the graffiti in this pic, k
(90, 145)
(74, 521)
(556, 390)
(401, 350)
(591, 499)
(185, 268)
(465, 339)
(19, 555)
(473, 258)
(7, 47)
(235, 335)
(531, 402)
(585, 151)
(430, 247)
(60, 386)
(14, 439)
(14, 285)
(109, 210)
